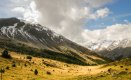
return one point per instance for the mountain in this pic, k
(113, 49)
(38, 40)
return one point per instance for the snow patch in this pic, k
(9, 30)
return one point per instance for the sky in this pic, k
(82, 21)
(120, 13)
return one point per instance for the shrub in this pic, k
(36, 72)
(14, 65)
(49, 73)
(121, 66)
(29, 57)
(31, 70)
(101, 76)
(7, 67)
(13, 61)
(25, 65)
(109, 70)
(126, 69)
(5, 54)
(2, 71)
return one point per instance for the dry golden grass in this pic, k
(59, 70)
(24, 69)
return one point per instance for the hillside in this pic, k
(37, 40)
(58, 70)
(55, 70)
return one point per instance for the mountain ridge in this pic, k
(113, 49)
(40, 37)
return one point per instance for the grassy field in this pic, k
(119, 70)
(55, 70)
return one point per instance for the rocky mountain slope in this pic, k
(21, 36)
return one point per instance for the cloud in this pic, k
(102, 12)
(113, 32)
(68, 17)
(7, 6)
(97, 3)
(23, 9)
(31, 14)
(19, 9)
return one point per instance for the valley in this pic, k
(55, 70)
(38, 53)
(65, 40)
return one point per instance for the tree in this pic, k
(5, 54)
(36, 72)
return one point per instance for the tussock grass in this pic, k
(56, 70)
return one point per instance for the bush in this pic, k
(36, 72)
(25, 65)
(49, 73)
(31, 70)
(7, 67)
(101, 76)
(14, 65)
(2, 71)
(126, 69)
(109, 70)
(28, 57)
(121, 66)
(5, 54)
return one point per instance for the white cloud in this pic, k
(113, 32)
(97, 3)
(25, 9)
(102, 12)
(19, 9)
(118, 31)
(67, 17)
(31, 14)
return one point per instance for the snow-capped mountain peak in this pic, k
(111, 48)
(40, 37)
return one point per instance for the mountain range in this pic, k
(113, 49)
